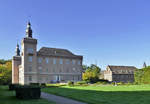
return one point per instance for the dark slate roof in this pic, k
(45, 51)
(122, 69)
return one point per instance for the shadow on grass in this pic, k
(102, 97)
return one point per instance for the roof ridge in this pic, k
(53, 48)
(120, 66)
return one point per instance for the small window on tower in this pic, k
(30, 68)
(30, 58)
(30, 50)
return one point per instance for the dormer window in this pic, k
(30, 58)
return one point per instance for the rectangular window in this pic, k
(46, 79)
(54, 61)
(73, 62)
(30, 78)
(30, 68)
(79, 62)
(53, 70)
(39, 60)
(41, 79)
(40, 69)
(30, 58)
(61, 61)
(67, 61)
(30, 50)
(47, 60)
(47, 70)
(74, 69)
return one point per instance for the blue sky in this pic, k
(114, 32)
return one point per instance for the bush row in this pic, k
(38, 84)
(28, 92)
(13, 86)
(32, 91)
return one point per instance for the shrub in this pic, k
(121, 83)
(70, 83)
(129, 83)
(142, 76)
(91, 74)
(28, 92)
(135, 83)
(92, 77)
(13, 86)
(35, 84)
(43, 85)
(81, 82)
(101, 83)
(113, 83)
(103, 80)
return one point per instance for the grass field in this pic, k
(127, 94)
(8, 97)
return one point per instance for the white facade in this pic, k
(48, 64)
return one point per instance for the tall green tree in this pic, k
(92, 73)
(142, 76)
(5, 72)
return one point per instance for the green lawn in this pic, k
(8, 97)
(127, 94)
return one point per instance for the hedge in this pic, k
(43, 85)
(35, 84)
(28, 92)
(13, 86)
(81, 82)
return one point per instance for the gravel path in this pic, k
(59, 99)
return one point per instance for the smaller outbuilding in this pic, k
(119, 73)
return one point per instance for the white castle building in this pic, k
(46, 65)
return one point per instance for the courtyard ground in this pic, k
(104, 94)
(8, 97)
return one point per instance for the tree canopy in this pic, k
(5, 71)
(142, 76)
(91, 73)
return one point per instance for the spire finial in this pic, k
(17, 50)
(144, 65)
(29, 30)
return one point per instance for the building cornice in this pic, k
(17, 58)
(29, 40)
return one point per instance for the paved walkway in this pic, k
(59, 99)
